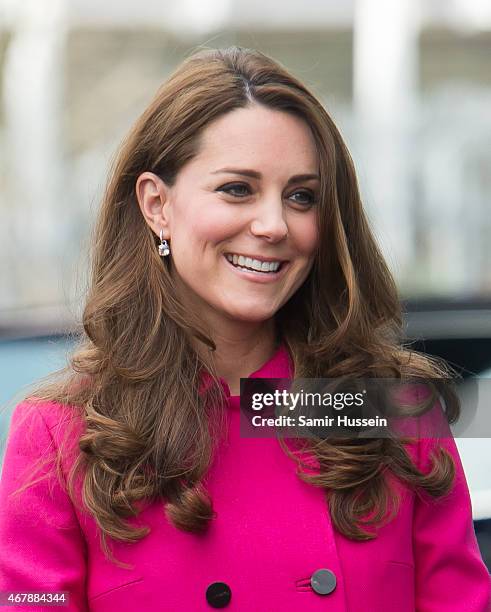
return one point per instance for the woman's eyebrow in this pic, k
(257, 175)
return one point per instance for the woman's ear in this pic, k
(153, 197)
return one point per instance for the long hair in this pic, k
(133, 379)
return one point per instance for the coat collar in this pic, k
(280, 365)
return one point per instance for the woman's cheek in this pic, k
(308, 236)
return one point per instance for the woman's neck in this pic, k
(237, 356)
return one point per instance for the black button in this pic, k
(218, 594)
(323, 581)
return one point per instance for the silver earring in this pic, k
(164, 248)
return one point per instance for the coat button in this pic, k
(323, 581)
(218, 594)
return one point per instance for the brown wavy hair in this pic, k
(134, 375)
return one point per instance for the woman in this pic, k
(147, 497)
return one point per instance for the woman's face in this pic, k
(244, 195)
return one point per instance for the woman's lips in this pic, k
(259, 277)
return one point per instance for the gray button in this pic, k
(323, 581)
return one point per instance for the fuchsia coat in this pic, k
(272, 533)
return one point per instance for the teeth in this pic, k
(254, 264)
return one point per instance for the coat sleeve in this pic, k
(42, 547)
(450, 573)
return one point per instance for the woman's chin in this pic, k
(250, 315)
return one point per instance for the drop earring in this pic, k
(164, 248)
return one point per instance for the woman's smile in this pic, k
(257, 276)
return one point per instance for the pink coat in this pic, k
(271, 536)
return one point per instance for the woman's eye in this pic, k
(240, 190)
(305, 194)
(234, 187)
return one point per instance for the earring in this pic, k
(164, 248)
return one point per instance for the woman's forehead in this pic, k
(258, 139)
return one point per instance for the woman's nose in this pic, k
(269, 221)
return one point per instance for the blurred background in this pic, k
(408, 83)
